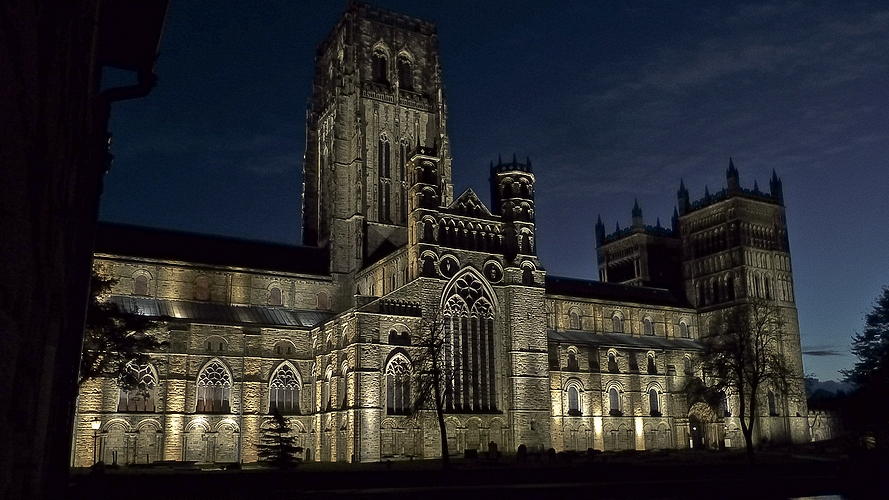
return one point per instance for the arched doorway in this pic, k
(704, 427)
(695, 432)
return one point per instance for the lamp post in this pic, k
(95, 424)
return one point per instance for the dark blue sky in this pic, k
(611, 102)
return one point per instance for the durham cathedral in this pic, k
(327, 332)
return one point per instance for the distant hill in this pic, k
(814, 385)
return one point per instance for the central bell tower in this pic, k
(377, 96)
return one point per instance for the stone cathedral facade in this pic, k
(326, 332)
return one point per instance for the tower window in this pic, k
(683, 329)
(379, 67)
(384, 194)
(652, 368)
(405, 74)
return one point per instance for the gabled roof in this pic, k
(163, 244)
(573, 287)
(466, 201)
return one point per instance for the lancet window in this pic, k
(385, 182)
(284, 390)
(214, 389)
(469, 351)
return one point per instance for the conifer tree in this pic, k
(115, 340)
(276, 446)
(868, 408)
(871, 347)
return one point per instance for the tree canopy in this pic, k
(867, 409)
(114, 340)
(871, 347)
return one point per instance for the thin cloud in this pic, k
(822, 353)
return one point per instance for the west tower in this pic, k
(377, 95)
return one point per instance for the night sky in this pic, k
(610, 102)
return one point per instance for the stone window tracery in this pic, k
(469, 351)
(214, 389)
(284, 390)
(398, 386)
(142, 397)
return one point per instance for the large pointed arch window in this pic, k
(284, 390)
(469, 351)
(398, 386)
(140, 398)
(214, 388)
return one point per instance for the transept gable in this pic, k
(469, 204)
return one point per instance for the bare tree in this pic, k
(431, 375)
(744, 354)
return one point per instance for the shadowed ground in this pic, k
(788, 473)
